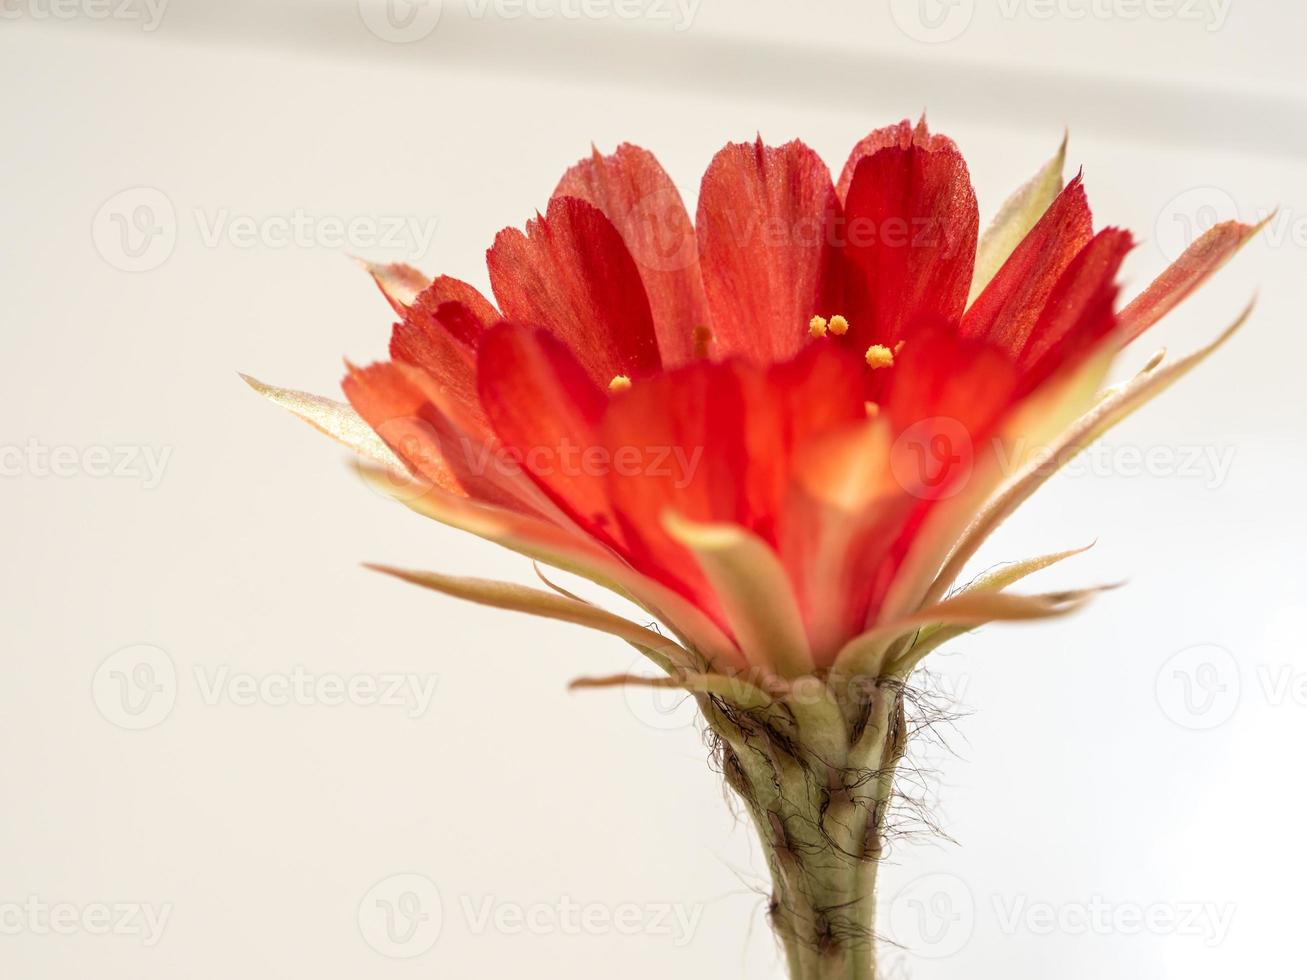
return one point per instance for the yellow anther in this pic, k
(619, 383)
(879, 356)
(839, 326)
(872, 409)
(702, 341)
(817, 326)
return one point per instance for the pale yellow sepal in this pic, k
(737, 691)
(508, 595)
(1013, 572)
(1015, 219)
(938, 634)
(334, 418)
(400, 283)
(864, 655)
(554, 546)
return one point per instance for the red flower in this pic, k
(770, 426)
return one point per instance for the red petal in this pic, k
(814, 467)
(439, 333)
(899, 134)
(1079, 311)
(424, 340)
(1006, 312)
(432, 433)
(631, 188)
(768, 226)
(789, 406)
(942, 376)
(945, 398)
(572, 275)
(675, 443)
(546, 409)
(481, 313)
(1215, 248)
(912, 225)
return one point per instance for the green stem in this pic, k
(817, 796)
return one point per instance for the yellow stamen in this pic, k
(817, 327)
(879, 356)
(839, 326)
(872, 409)
(702, 341)
(619, 383)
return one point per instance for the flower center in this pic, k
(877, 356)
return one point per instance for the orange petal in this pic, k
(1199, 261)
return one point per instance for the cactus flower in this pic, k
(782, 428)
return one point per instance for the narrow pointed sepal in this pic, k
(333, 418)
(508, 595)
(399, 283)
(1011, 573)
(735, 690)
(1014, 220)
(865, 655)
(562, 549)
(1109, 412)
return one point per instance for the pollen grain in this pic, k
(879, 356)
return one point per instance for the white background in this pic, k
(268, 834)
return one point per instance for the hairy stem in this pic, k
(817, 786)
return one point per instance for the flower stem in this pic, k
(818, 799)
